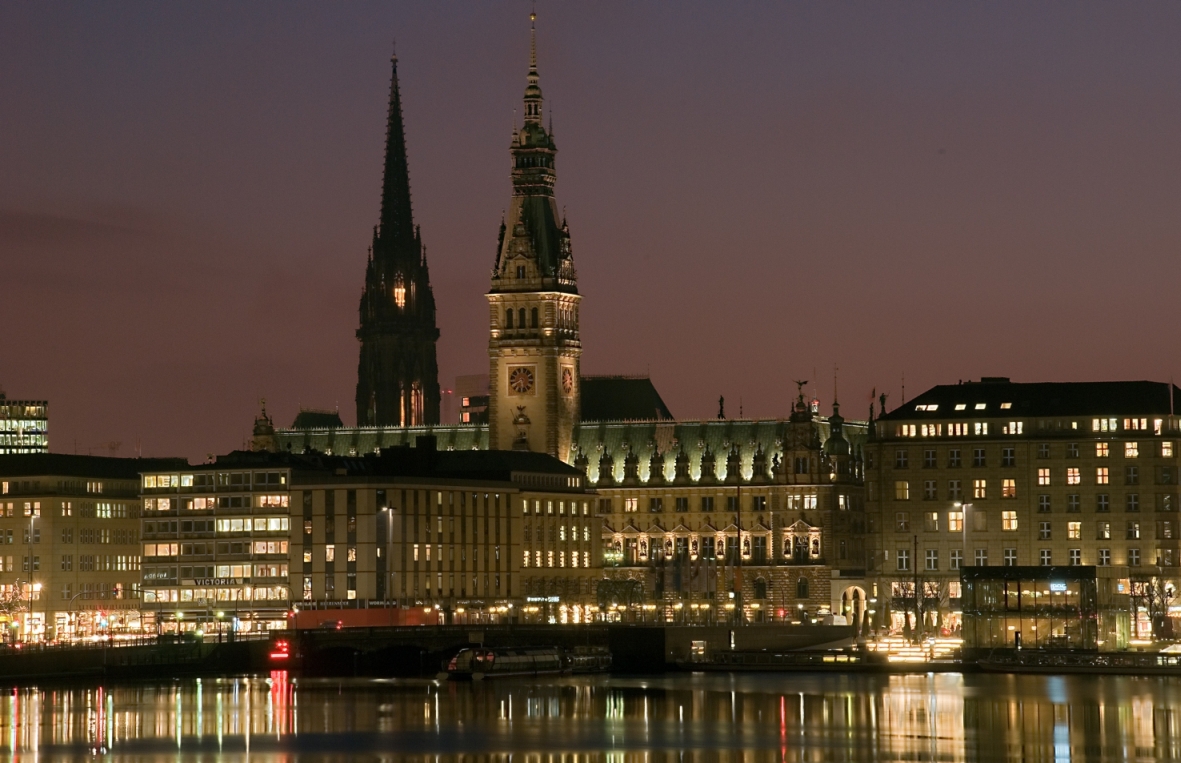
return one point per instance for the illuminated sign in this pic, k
(544, 599)
(1058, 587)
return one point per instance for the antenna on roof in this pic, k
(904, 388)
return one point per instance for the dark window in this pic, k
(953, 458)
(1008, 457)
(1043, 450)
(1043, 504)
(929, 459)
(1131, 475)
(901, 459)
(508, 318)
(533, 318)
(802, 588)
(978, 457)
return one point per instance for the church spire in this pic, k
(397, 218)
(398, 375)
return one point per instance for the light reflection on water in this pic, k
(681, 718)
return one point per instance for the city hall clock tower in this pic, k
(533, 344)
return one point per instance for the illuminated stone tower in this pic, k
(398, 376)
(533, 344)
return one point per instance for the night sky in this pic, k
(756, 193)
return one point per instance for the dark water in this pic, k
(772, 717)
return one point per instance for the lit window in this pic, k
(902, 490)
(1074, 530)
(1006, 406)
(981, 427)
(1072, 476)
(631, 504)
(1008, 488)
(1009, 520)
(399, 292)
(960, 406)
(955, 521)
(981, 406)
(1131, 450)
(1101, 450)
(1014, 427)
(1043, 476)
(979, 488)
(1101, 477)
(1166, 450)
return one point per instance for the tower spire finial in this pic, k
(533, 40)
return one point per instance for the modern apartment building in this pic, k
(1021, 474)
(477, 536)
(69, 545)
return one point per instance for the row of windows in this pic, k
(547, 559)
(707, 503)
(187, 549)
(955, 488)
(1166, 529)
(962, 429)
(1103, 558)
(220, 479)
(558, 533)
(551, 505)
(1009, 455)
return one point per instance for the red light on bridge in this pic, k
(281, 650)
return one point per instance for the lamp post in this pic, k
(389, 542)
(32, 586)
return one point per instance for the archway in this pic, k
(853, 606)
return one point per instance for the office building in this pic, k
(69, 545)
(998, 473)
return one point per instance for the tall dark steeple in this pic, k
(398, 375)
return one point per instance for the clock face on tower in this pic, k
(567, 380)
(520, 380)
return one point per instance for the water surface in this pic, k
(602, 719)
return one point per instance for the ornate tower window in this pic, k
(399, 291)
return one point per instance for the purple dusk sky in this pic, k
(756, 193)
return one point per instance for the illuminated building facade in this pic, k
(481, 536)
(704, 521)
(398, 375)
(676, 499)
(69, 545)
(24, 426)
(996, 473)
